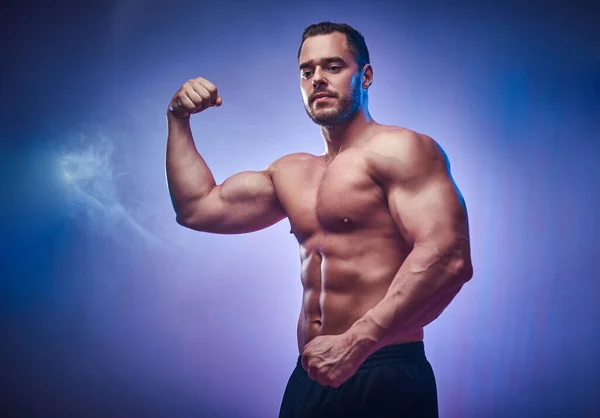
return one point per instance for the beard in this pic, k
(334, 114)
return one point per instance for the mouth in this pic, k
(322, 97)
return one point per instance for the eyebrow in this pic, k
(328, 60)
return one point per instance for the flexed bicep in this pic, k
(245, 202)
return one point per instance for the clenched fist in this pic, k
(194, 96)
(330, 360)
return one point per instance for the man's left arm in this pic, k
(430, 213)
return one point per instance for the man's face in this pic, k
(328, 67)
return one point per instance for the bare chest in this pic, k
(341, 197)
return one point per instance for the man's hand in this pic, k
(194, 96)
(332, 359)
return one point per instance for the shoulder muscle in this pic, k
(405, 156)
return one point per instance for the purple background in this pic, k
(109, 308)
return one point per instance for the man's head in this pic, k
(334, 61)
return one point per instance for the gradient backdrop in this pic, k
(108, 308)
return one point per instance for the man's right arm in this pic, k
(243, 203)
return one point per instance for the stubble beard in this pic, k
(345, 107)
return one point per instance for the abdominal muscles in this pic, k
(341, 286)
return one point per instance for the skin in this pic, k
(381, 226)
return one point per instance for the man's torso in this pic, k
(350, 246)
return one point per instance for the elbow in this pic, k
(462, 269)
(184, 219)
(186, 213)
(460, 266)
(195, 221)
(451, 260)
(458, 263)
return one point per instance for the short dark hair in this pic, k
(356, 42)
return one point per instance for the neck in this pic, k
(347, 134)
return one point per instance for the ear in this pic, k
(367, 78)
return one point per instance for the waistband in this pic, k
(394, 353)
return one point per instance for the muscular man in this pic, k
(382, 230)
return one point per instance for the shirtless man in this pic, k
(382, 230)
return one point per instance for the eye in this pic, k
(306, 74)
(334, 68)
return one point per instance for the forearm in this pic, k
(188, 175)
(424, 286)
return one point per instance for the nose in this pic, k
(318, 80)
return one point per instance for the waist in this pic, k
(412, 352)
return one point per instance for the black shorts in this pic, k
(395, 381)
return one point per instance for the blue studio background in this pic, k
(109, 308)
